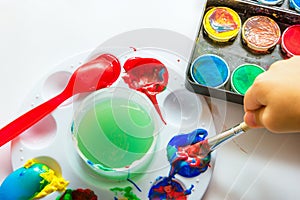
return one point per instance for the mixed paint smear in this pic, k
(221, 20)
(33, 180)
(168, 188)
(189, 156)
(147, 75)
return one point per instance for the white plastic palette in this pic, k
(50, 140)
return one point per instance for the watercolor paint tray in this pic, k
(235, 53)
(50, 140)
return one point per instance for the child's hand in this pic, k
(273, 101)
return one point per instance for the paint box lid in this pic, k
(260, 34)
(290, 42)
(243, 77)
(221, 24)
(210, 70)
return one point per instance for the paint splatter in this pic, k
(124, 193)
(78, 194)
(169, 189)
(189, 154)
(147, 75)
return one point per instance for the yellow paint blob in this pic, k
(55, 183)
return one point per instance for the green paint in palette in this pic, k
(115, 134)
(243, 77)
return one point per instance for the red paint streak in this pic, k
(148, 76)
(291, 39)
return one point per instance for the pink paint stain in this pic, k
(148, 76)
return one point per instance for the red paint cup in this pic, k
(290, 42)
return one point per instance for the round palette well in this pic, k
(50, 140)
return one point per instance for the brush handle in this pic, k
(218, 140)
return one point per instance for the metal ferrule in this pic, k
(220, 139)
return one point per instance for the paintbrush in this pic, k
(210, 144)
(218, 140)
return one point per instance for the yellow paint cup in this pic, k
(221, 24)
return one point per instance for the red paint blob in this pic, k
(291, 41)
(148, 76)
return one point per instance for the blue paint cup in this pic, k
(271, 2)
(210, 70)
(295, 4)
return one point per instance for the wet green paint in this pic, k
(243, 77)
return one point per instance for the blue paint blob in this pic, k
(295, 4)
(210, 70)
(168, 188)
(187, 168)
(23, 183)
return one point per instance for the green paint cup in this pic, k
(115, 132)
(243, 77)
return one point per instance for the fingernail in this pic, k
(250, 119)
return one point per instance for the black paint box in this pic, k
(236, 52)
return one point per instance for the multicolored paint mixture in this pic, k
(124, 193)
(189, 156)
(168, 188)
(147, 75)
(222, 24)
(260, 33)
(78, 194)
(290, 43)
(33, 180)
